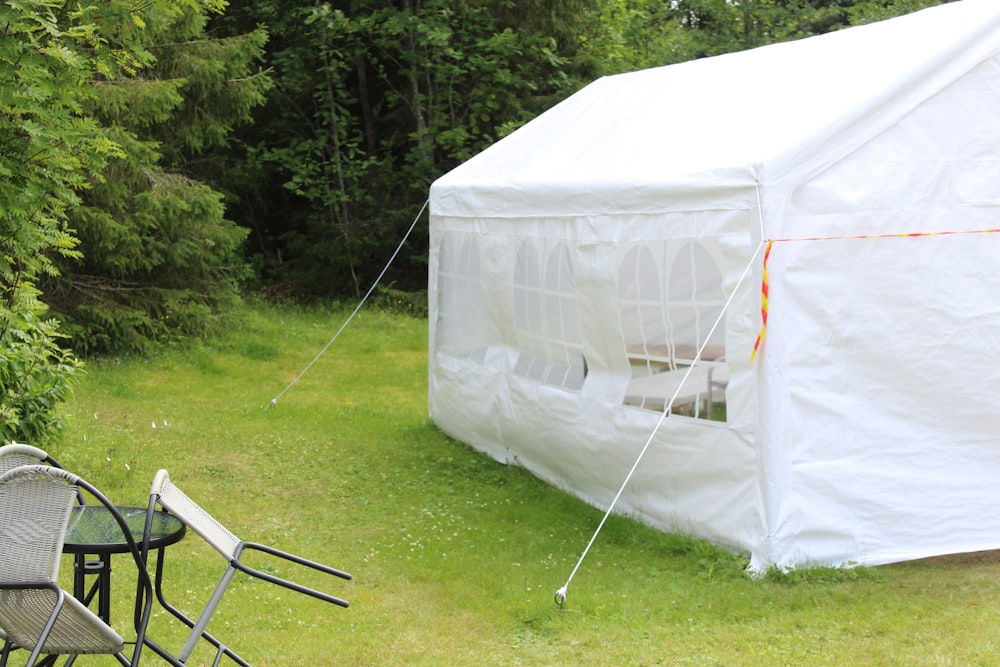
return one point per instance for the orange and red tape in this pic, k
(765, 283)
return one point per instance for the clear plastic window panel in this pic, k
(670, 296)
(461, 325)
(548, 339)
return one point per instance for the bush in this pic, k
(35, 375)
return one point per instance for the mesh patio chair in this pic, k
(35, 612)
(165, 494)
(12, 456)
(15, 454)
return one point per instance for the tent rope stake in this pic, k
(371, 290)
(560, 596)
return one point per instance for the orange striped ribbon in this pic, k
(765, 288)
(894, 235)
(763, 303)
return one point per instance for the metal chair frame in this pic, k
(51, 493)
(14, 455)
(170, 498)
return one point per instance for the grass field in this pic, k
(456, 558)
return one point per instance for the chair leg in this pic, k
(206, 614)
(49, 624)
(162, 652)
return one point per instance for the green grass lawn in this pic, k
(456, 558)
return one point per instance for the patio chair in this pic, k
(35, 612)
(12, 456)
(16, 454)
(165, 494)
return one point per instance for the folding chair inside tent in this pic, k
(35, 612)
(165, 494)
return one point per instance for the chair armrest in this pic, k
(295, 559)
(246, 569)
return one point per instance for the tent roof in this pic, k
(697, 133)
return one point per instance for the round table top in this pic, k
(93, 530)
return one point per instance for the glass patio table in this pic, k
(93, 535)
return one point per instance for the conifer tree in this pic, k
(157, 254)
(49, 151)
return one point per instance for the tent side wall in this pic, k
(881, 386)
(861, 434)
(529, 362)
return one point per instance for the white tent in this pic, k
(577, 267)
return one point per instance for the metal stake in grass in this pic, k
(274, 401)
(561, 593)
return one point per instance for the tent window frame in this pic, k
(547, 331)
(461, 319)
(660, 357)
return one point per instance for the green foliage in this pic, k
(218, 80)
(373, 100)
(393, 300)
(869, 11)
(118, 159)
(688, 29)
(35, 375)
(716, 563)
(819, 575)
(49, 151)
(158, 256)
(637, 34)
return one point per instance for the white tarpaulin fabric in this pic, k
(578, 265)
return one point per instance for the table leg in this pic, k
(101, 588)
(104, 596)
(80, 578)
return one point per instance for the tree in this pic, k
(49, 151)
(869, 11)
(721, 26)
(157, 255)
(373, 100)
